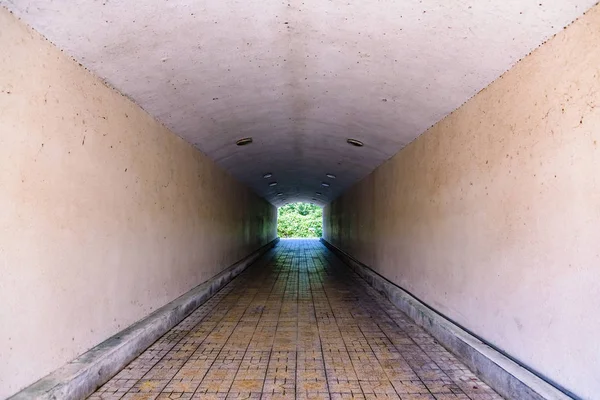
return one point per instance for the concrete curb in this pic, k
(79, 378)
(508, 378)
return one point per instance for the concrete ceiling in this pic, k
(299, 76)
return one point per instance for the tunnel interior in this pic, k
(148, 149)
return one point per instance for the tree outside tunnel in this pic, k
(300, 220)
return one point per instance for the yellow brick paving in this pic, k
(296, 325)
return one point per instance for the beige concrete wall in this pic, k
(105, 215)
(492, 216)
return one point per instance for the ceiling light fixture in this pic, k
(244, 141)
(325, 184)
(318, 193)
(355, 142)
(273, 184)
(332, 176)
(267, 175)
(279, 194)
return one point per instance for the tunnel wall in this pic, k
(492, 217)
(105, 215)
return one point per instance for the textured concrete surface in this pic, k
(296, 325)
(105, 215)
(491, 217)
(509, 379)
(299, 76)
(80, 377)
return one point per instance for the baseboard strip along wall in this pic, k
(81, 377)
(505, 376)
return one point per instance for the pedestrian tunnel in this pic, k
(451, 146)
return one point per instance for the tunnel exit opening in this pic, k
(300, 220)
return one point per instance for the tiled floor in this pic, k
(296, 325)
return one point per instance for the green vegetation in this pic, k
(300, 220)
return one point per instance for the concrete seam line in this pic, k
(80, 377)
(504, 375)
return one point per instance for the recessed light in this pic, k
(325, 184)
(244, 141)
(273, 184)
(332, 176)
(279, 194)
(267, 175)
(318, 193)
(355, 142)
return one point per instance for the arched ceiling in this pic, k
(299, 76)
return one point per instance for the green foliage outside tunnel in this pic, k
(300, 220)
